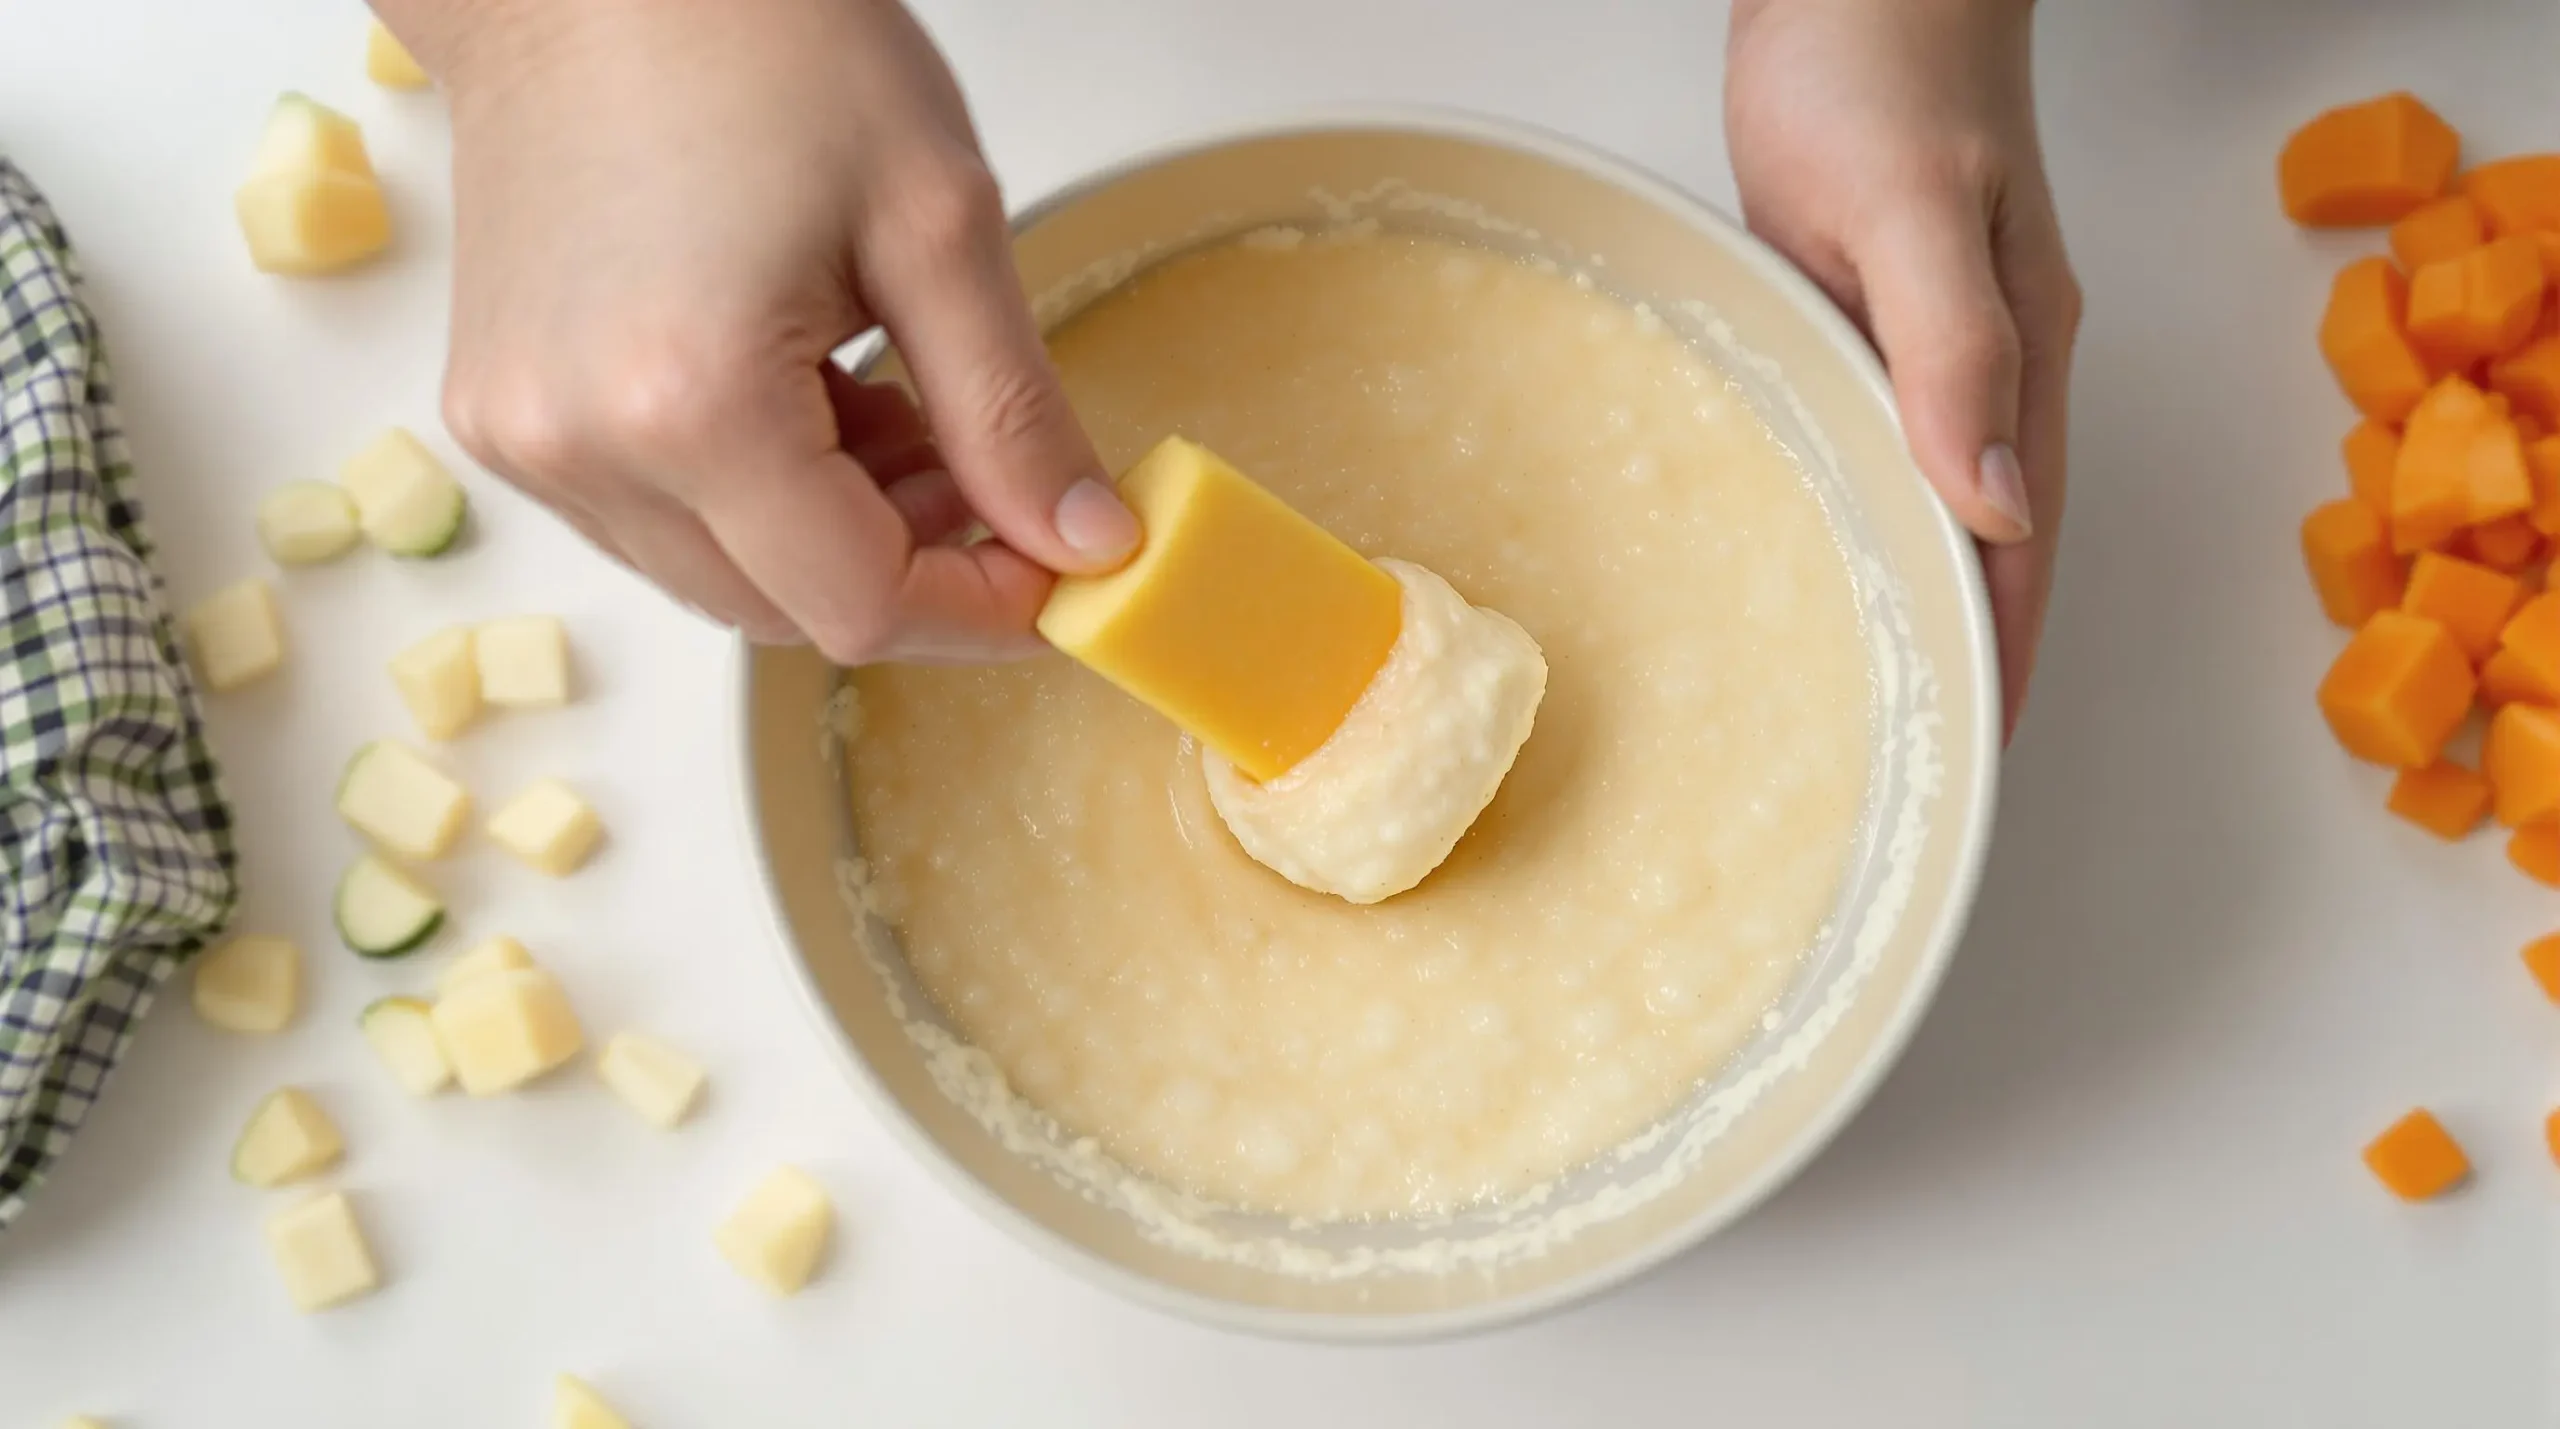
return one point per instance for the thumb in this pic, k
(1944, 326)
(942, 281)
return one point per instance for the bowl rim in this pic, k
(1963, 887)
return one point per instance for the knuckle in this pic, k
(1014, 406)
(854, 639)
(665, 400)
(514, 428)
(940, 209)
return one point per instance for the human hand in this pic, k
(668, 214)
(1889, 148)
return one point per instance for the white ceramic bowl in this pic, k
(1901, 907)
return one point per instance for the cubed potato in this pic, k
(439, 680)
(252, 984)
(392, 795)
(548, 827)
(496, 955)
(776, 1235)
(650, 1077)
(504, 1029)
(524, 661)
(235, 635)
(288, 1137)
(321, 1252)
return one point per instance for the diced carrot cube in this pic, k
(2551, 1135)
(2364, 335)
(2542, 473)
(2521, 756)
(2530, 378)
(2432, 482)
(2368, 163)
(2398, 691)
(2352, 566)
(2444, 798)
(2472, 602)
(2507, 680)
(2371, 449)
(2535, 851)
(2542, 959)
(2416, 1158)
(2497, 480)
(2533, 637)
(2478, 305)
(2529, 428)
(2447, 228)
(2519, 194)
(2507, 544)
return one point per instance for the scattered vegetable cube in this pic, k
(775, 1236)
(321, 1252)
(312, 204)
(2348, 550)
(406, 501)
(2443, 798)
(392, 795)
(2535, 851)
(2398, 691)
(650, 1077)
(503, 1029)
(2472, 602)
(388, 63)
(497, 955)
(251, 984)
(288, 1137)
(235, 636)
(524, 661)
(439, 680)
(548, 827)
(575, 1405)
(303, 523)
(383, 912)
(403, 1035)
(2369, 163)
(2416, 1158)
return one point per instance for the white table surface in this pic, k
(2114, 1182)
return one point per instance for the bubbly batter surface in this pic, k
(1652, 872)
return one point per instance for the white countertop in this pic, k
(2114, 1182)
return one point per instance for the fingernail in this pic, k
(2004, 486)
(1092, 520)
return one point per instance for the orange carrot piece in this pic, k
(2472, 602)
(2535, 851)
(2533, 637)
(2371, 449)
(2368, 163)
(2431, 481)
(2416, 1158)
(2506, 679)
(2447, 228)
(2542, 473)
(2398, 691)
(2508, 544)
(2517, 195)
(2521, 758)
(2542, 959)
(2443, 798)
(2365, 337)
(2551, 1135)
(2348, 552)
(2486, 302)
(2530, 378)
(2497, 480)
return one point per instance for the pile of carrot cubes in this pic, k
(2438, 558)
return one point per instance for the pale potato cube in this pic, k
(251, 984)
(235, 635)
(497, 955)
(303, 523)
(439, 680)
(576, 1405)
(403, 1033)
(524, 661)
(288, 1137)
(548, 827)
(775, 1236)
(387, 62)
(303, 135)
(83, 1421)
(650, 1077)
(322, 1252)
(392, 795)
(503, 1029)
(304, 224)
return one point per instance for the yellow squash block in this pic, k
(1240, 620)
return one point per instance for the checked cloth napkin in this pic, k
(116, 860)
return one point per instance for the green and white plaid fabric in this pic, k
(116, 860)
